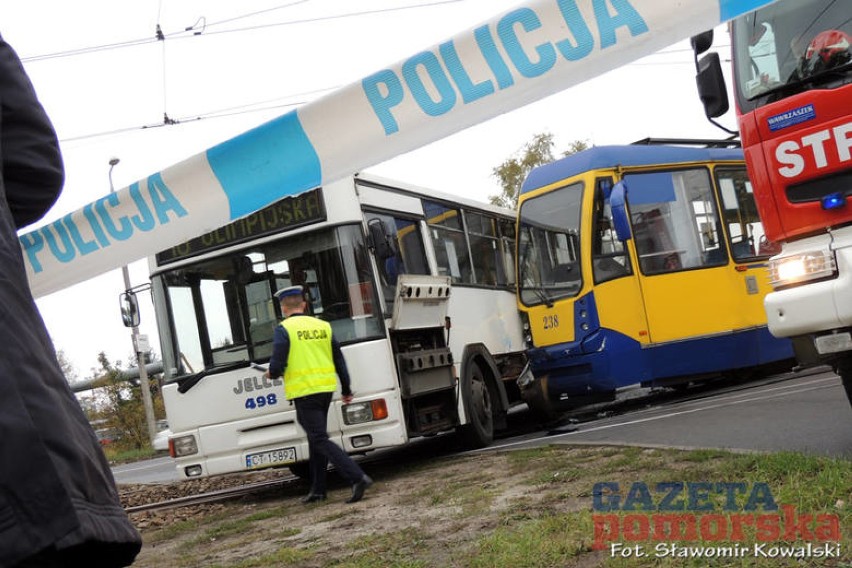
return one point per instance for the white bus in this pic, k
(418, 287)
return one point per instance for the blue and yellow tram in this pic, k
(640, 264)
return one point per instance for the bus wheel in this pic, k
(844, 369)
(479, 431)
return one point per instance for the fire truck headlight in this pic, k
(184, 446)
(801, 267)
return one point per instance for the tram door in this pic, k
(688, 286)
(618, 294)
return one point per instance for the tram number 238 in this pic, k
(261, 401)
(551, 322)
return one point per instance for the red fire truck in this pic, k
(792, 84)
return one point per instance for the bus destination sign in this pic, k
(288, 213)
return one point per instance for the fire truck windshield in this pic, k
(787, 47)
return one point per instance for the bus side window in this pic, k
(449, 242)
(609, 255)
(485, 250)
(507, 251)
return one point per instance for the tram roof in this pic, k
(603, 157)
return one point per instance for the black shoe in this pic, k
(358, 489)
(313, 498)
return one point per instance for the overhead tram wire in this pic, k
(220, 113)
(167, 120)
(245, 109)
(191, 32)
(251, 14)
(159, 36)
(189, 119)
(336, 17)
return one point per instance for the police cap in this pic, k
(289, 291)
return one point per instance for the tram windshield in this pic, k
(549, 246)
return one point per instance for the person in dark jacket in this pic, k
(58, 501)
(305, 352)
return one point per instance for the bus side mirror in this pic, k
(711, 85)
(129, 309)
(701, 42)
(618, 205)
(379, 240)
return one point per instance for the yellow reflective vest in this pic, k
(310, 365)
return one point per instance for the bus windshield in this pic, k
(549, 246)
(787, 47)
(222, 310)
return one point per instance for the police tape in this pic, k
(523, 55)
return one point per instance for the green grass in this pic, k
(529, 508)
(397, 549)
(547, 541)
(241, 526)
(117, 454)
(283, 557)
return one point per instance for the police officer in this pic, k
(309, 357)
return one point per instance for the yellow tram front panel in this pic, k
(552, 325)
(620, 307)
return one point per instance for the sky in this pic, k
(113, 90)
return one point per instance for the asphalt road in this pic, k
(158, 470)
(807, 413)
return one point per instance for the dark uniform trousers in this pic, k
(312, 415)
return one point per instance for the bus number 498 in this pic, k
(261, 401)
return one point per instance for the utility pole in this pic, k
(140, 344)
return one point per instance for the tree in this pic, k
(66, 366)
(514, 170)
(123, 409)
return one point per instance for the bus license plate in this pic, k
(271, 457)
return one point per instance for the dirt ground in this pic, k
(446, 502)
(522, 508)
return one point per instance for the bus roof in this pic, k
(427, 193)
(602, 157)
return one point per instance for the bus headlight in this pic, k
(184, 446)
(801, 267)
(360, 412)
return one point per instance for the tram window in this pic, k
(609, 256)
(675, 223)
(739, 210)
(448, 240)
